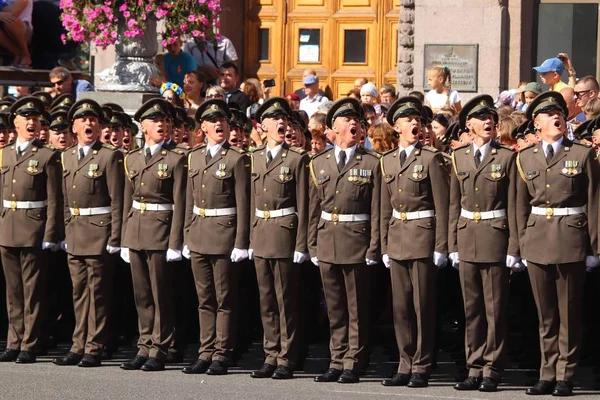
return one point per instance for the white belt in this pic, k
(266, 214)
(344, 217)
(24, 204)
(90, 211)
(477, 215)
(408, 216)
(151, 206)
(215, 212)
(549, 211)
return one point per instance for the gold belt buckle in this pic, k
(403, 216)
(477, 216)
(266, 214)
(142, 207)
(76, 212)
(335, 217)
(202, 212)
(549, 212)
(13, 205)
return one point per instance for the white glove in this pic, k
(315, 261)
(370, 262)
(112, 250)
(173, 255)
(238, 255)
(591, 262)
(386, 261)
(300, 257)
(250, 254)
(63, 245)
(439, 259)
(50, 246)
(125, 254)
(524, 262)
(454, 258)
(186, 252)
(511, 261)
(519, 267)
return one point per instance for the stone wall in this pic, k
(406, 47)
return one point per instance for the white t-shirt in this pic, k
(438, 100)
(225, 52)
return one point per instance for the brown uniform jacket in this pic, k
(483, 189)
(222, 183)
(95, 181)
(332, 192)
(570, 180)
(34, 177)
(281, 185)
(154, 230)
(422, 183)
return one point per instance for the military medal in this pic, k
(496, 168)
(92, 172)
(567, 168)
(32, 168)
(221, 170)
(284, 173)
(417, 172)
(162, 170)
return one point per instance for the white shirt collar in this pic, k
(555, 146)
(153, 149)
(275, 150)
(23, 146)
(214, 149)
(349, 153)
(483, 149)
(86, 149)
(407, 150)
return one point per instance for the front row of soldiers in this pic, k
(485, 209)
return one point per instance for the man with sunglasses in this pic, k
(586, 89)
(483, 240)
(63, 83)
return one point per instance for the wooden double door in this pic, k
(340, 39)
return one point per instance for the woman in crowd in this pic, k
(215, 92)
(382, 138)
(193, 82)
(318, 141)
(252, 88)
(592, 108)
(505, 128)
(439, 125)
(173, 93)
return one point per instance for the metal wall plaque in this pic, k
(462, 59)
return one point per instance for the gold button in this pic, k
(203, 186)
(74, 187)
(14, 181)
(204, 171)
(547, 185)
(337, 192)
(13, 195)
(142, 198)
(203, 201)
(476, 205)
(401, 205)
(101, 222)
(579, 224)
(503, 225)
(142, 183)
(167, 218)
(265, 189)
(548, 202)
(547, 169)
(74, 202)
(477, 189)
(400, 190)
(334, 208)
(265, 205)
(229, 223)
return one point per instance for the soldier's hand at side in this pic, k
(511, 261)
(112, 250)
(315, 261)
(439, 259)
(63, 245)
(370, 262)
(591, 262)
(125, 254)
(300, 257)
(173, 255)
(519, 267)
(50, 246)
(238, 255)
(524, 262)
(251, 254)
(454, 258)
(186, 252)
(386, 260)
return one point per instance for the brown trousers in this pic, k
(558, 292)
(414, 284)
(485, 290)
(278, 289)
(153, 290)
(217, 285)
(25, 273)
(346, 289)
(92, 278)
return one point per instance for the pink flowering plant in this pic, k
(95, 21)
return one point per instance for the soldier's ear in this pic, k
(396, 129)
(263, 127)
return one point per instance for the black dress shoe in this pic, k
(174, 358)
(90, 361)
(331, 375)
(9, 355)
(348, 376)
(488, 385)
(25, 357)
(153, 364)
(471, 383)
(70, 359)
(217, 368)
(266, 371)
(563, 389)
(541, 387)
(397, 380)
(283, 372)
(197, 367)
(418, 381)
(137, 363)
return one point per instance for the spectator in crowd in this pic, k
(370, 115)
(294, 101)
(16, 30)
(505, 128)
(550, 72)
(504, 111)
(359, 82)
(253, 89)
(439, 125)
(318, 141)
(173, 93)
(215, 92)
(301, 92)
(368, 93)
(586, 89)
(210, 56)
(193, 82)
(419, 95)
(568, 66)
(354, 93)
(313, 99)
(228, 79)
(387, 93)
(23, 91)
(520, 98)
(592, 108)
(382, 138)
(176, 65)
(63, 83)
(576, 116)
(530, 92)
(441, 94)
(505, 98)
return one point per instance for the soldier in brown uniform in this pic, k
(414, 239)
(153, 215)
(93, 180)
(31, 201)
(343, 237)
(279, 196)
(483, 237)
(559, 181)
(217, 224)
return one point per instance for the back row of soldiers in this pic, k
(348, 208)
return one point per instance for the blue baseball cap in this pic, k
(311, 79)
(551, 64)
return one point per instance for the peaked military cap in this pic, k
(25, 106)
(44, 97)
(403, 107)
(546, 102)
(82, 108)
(114, 107)
(9, 98)
(585, 129)
(4, 121)
(478, 105)
(427, 115)
(5, 107)
(452, 133)
(211, 109)
(271, 107)
(154, 108)
(238, 119)
(59, 120)
(45, 118)
(344, 107)
(64, 100)
(181, 116)
(118, 118)
(522, 129)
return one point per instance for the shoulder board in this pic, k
(9, 143)
(234, 148)
(462, 147)
(178, 151)
(506, 147)
(108, 146)
(183, 146)
(38, 143)
(389, 152)
(261, 147)
(49, 146)
(70, 147)
(322, 153)
(586, 145)
(529, 146)
(430, 149)
(298, 150)
(372, 152)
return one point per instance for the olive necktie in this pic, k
(208, 156)
(402, 158)
(148, 155)
(549, 153)
(81, 154)
(269, 158)
(342, 162)
(477, 158)
(19, 152)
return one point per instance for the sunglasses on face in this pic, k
(169, 98)
(59, 83)
(581, 93)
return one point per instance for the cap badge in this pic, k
(412, 105)
(276, 105)
(67, 101)
(59, 119)
(30, 105)
(157, 107)
(551, 100)
(86, 106)
(214, 107)
(483, 103)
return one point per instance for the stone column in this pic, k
(406, 47)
